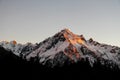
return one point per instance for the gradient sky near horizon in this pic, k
(36, 20)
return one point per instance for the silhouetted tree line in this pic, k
(12, 64)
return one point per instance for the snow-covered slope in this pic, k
(66, 46)
(17, 49)
(12, 46)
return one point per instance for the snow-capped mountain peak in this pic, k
(63, 43)
(66, 46)
(73, 38)
(74, 48)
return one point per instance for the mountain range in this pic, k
(64, 49)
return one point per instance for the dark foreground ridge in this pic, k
(13, 66)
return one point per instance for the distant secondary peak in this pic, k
(6, 42)
(13, 42)
(9, 42)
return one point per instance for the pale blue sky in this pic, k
(35, 20)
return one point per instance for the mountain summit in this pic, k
(65, 47)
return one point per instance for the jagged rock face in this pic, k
(65, 42)
(66, 47)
